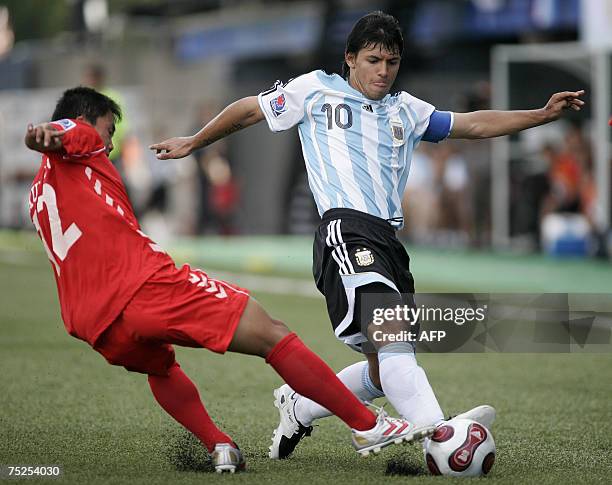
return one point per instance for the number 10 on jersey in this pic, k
(341, 114)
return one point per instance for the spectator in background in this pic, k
(224, 194)
(478, 97)
(572, 186)
(421, 201)
(217, 189)
(156, 217)
(437, 197)
(7, 36)
(451, 176)
(530, 186)
(565, 172)
(204, 113)
(591, 211)
(588, 195)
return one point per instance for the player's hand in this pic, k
(562, 101)
(177, 147)
(44, 137)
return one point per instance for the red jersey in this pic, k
(81, 211)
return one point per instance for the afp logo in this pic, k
(278, 105)
(364, 257)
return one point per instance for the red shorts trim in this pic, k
(175, 306)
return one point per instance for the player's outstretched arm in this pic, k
(489, 124)
(44, 137)
(238, 115)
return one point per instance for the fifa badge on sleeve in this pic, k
(66, 124)
(278, 105)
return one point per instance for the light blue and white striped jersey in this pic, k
(357, 150)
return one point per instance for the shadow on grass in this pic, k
(405, 466)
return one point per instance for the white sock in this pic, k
(356, 377)
(406, 386)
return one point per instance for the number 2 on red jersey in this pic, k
(61, 242)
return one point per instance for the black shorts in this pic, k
(355, 252)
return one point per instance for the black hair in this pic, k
(371, 29)
(86, 102)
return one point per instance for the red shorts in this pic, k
(175, 306)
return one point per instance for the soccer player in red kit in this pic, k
(123, 295)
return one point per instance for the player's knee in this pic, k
(272, 334)
(257, 333)
(268, 334)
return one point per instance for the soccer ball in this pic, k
(461, 448)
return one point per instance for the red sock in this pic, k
(309, 376)
(181, 400)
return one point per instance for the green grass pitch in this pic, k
(62, 404)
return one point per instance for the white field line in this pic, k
(277, 285)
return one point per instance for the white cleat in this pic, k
(484, 415)
(227, 458)
(388, 431)
(289, 431)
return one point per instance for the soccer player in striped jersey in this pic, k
(357, 141)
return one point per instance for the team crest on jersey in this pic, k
(66, 124)
(364, 257)
(398, 132)
(278, 105)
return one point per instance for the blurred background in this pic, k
(173, 65)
